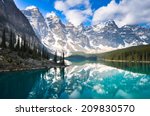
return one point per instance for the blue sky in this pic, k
(93, 11)
(48, 5)
(44, 5)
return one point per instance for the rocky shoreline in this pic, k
(11, 61)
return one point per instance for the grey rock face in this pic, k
(36, 20)
(97, 38)
(14, 20)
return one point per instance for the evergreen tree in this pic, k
(24, 46)
(3, 44)
(47, 55)
(34, 51)
(55, 57)
(27, 47)
(11, 43)
(146, 56)
(38, 53)
(43, 52)
(63, 59)
(18, 45)
(143, 57)
(135, 57)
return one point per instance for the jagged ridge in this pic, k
(97, 38)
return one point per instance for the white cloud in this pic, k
(73, 3)
(31, 7)
(73, 13)
(61, 6)
(75, 17)
(126, 12)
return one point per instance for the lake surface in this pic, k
(82, 80)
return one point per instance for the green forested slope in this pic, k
(133, 54)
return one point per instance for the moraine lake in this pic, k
(80, 80)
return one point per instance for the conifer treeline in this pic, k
(132, 54)
(23, 47)
(61, 59)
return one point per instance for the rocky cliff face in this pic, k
(12, 19)
(36, 20)
(97, 38)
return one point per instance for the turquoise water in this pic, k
(78, 81)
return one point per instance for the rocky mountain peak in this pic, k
(37, 20)
(110, 22)
(69, 25)
(107, 24)
(52, 17)
(32, 8)
(81, 27)
(102, 37)
(32, 11)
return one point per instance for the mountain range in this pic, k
(102, 37)
(60, 37)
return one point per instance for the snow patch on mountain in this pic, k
(105, 36)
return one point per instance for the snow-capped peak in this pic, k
(52, 18)
(51, 15)
(102, 37)
(31, 8)
(98, 26)
(102, 25)
(80, 27)
(69, 25)
(36, 20)
(110, 22)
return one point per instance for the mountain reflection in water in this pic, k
(91, 81)
(78, 81)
